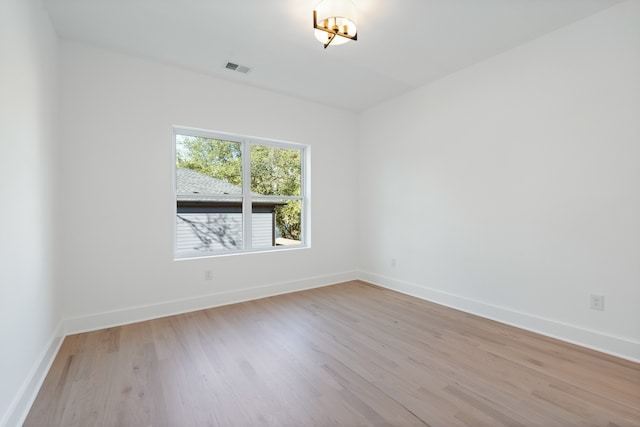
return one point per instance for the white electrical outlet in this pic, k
(393, 262)
(597, 302)
(208, 275)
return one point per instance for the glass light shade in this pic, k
(340, 13)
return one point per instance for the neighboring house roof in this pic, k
(193, 186)
(191, 182)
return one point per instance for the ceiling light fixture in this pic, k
(334, 21)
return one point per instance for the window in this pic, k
(238, 194)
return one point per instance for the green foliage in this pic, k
(288, 220)
(274, 172)
(218, 159)
(277, 172)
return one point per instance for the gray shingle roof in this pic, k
(191, 182)
(192, 186)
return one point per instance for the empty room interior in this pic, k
(314, 213)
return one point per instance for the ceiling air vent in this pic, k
(235, 67)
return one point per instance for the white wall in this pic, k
(29, 308)
(117, 189)
(512, 188)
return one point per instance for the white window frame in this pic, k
(246, 142)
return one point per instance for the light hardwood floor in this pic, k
(348, 355)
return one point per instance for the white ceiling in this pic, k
(402, 44)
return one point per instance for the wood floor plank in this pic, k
(350, 354)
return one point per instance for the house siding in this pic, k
(262, 230)
(226, 227)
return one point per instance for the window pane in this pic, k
(208, 174)
(289, 223)
(199, 232)
(275, 171)
(263, 224)
(276, 222)
(208, 166)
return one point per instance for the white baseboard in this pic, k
(615, 346)
(153, 311)
(19, 408)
